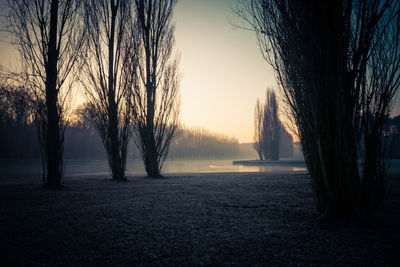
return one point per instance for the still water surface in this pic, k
(135, 167)
(77, 168)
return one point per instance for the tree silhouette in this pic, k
(49, 39)
(258, 129)
(200, 143)
(268, 127)
(155, 96)
(271, 127)
(16, 106)
(338, 63)
(110, 75)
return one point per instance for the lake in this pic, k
(73, 168)
(9, 168)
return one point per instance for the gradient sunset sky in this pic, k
(223, 71)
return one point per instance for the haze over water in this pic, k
(80, 168)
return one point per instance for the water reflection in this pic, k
(76, 168)
(135, 167)
(26, 168)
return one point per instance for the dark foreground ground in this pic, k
(204, 219)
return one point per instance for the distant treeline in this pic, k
(200, 143)
(21, 142)
(19, 138)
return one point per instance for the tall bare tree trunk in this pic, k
(53, 146)
(109, 81)
(150, 162)
(49, 38)
(115, 160)
(156, 119)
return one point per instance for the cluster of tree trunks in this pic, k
(113, 47)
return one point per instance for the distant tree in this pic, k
(338, 63)
(82, 140)
(392, 126)
(286, 148)
(109, 76)
(4, 113)
(392, 135)
(271, 127)
(15, 105)
(17, 129)
(156, 96)
(81, 116)
(258, 129)
(267, 127)
(49, 38)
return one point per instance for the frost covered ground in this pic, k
(193, 219)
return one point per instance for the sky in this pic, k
(222, 69)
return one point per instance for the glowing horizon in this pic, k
(223, 71)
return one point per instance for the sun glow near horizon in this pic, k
(223, 71)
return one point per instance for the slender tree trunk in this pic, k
(156, 124)
(260, 156)
(53, 144)
(116, 166)
(151, 162)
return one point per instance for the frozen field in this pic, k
(187, 219)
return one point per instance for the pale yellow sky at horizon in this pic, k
(223, 71)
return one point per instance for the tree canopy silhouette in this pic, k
(258, 129)
(156, 95)
(269, 132)
(49, 38)
(110, 74)
(271, 127)
(338, 63)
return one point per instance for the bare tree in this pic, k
(110, 73)
(49, 38)
(156, 95)
(376, 87)
(338, 64)
(271, 127)
(16, 105)
(258, 129)
(267, 127)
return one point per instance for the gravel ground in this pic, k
(195, 219)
